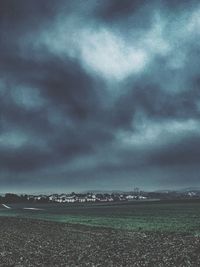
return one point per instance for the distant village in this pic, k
(73, 197)
(91, 197)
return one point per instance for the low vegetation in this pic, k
(165, 216)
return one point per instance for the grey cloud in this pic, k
(183, 153)
(99, 94)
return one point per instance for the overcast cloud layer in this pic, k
(99, 94)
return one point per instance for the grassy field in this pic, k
(165, 216)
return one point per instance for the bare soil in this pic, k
(27, 243)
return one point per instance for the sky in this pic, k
(99, 95)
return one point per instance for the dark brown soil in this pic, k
(25, 242)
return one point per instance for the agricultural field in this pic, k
(167, 216)
(110, 234)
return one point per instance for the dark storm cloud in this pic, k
(99, 94)
(116, 9)
(17, 15)
(183, 152)
(112, 10)
(23, 159)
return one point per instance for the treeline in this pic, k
(14, 198)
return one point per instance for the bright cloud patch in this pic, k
(101, 52)
(109, 55)
(29, 98)
(13, 139)
(155, 133)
